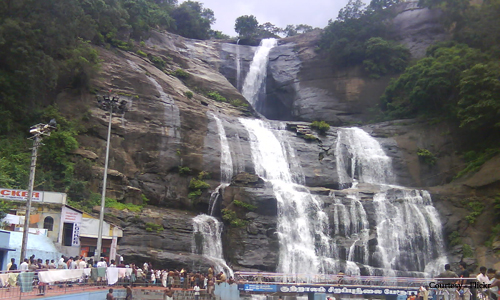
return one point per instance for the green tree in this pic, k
(246, 26)
(192, 20)
(431, 85)
(479, 104)
(384, 57)
(353, 10)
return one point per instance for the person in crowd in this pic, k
(112, 264)
(12, 266)
(102, 263)
(169, 294)
(196, 290)
(495, 286)
(110, 296)
(448, 273)
(128, 291)
(24, 265)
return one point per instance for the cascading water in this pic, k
(207, 241)
(207, 229)
(407, 226)
(171, 111)
(301, 222)
(238, 65)
(226, 165)
(254, 80)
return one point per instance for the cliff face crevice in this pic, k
(164, 130)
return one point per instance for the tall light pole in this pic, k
(38, 131)
(111, 105)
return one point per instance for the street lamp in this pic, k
(38, 131)
(111, 105)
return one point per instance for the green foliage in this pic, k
(476, 208)
(238, 103)
(113, 203)
(245, 205)
(181, 74)
(479, 104)
(475, 160)
(454, 238)
(192, 20)
(150, 227)
(309, 137)
(5, 207)
(384, 57)
(216, 96)
(431, 85)
(292, 30)
(194, 194)
(495, 233)
(467, 251)
(157, 61)
(145, 199)
(246, 26)
(426, 156)
(321, 126)
(188, 94)
(142, 53)
(349, 40)
(230, 217)
(184, 170)
(198, 184)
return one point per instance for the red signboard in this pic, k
(11, 194)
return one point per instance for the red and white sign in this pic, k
(11, 194)
(70, 216)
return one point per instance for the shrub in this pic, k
(467, 251)
(475, 160)
(309, 137)
(230, 217)
(476, 209)
(196, 184)
(321, 126)
(455, 238)
(188, 94)
(150, 227)
(181, 74)
(141, 53)
(184, 170)
(157, 61)
(246, 206)
(238, 103)
(426, 156)
(142, 43)
(216, 96)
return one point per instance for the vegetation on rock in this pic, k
(321, 126)
(360, 35)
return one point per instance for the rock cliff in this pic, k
(166, 138)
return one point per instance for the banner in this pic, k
(11, 194)
(344, 290)
(259, 288)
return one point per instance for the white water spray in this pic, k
(257, 73)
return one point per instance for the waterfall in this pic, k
(238, 65)
(408, 229)
(172, 115)
(302, 225)
(207, 241)
(226, 165)
(256, 75)
(366, 160)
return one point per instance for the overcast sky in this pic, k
(279, 12)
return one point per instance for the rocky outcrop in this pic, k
(166, 138)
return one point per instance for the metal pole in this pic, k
(103, 198)
(31, 183)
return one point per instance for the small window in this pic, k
(48, 223)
